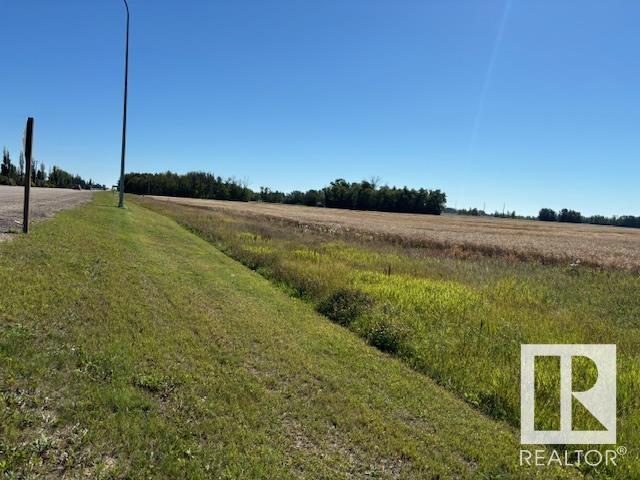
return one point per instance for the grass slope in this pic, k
(130, 347)
(461, 322)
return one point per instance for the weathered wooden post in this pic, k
(28, 143)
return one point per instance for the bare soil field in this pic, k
(554, 242)
(44, 203)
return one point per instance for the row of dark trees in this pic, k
(475, 212)
(573, 216)
(11, 174)
(192, 184)
(549, 215)
(365, 195)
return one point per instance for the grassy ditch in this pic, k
(461, 322)
(131, 348)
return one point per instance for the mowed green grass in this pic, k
(131, 348)
(461, 322)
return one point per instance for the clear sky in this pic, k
(527, 103)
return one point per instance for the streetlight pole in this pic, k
(124, 112)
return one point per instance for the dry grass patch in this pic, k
(461, 236)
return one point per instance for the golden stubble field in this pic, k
(558, 242)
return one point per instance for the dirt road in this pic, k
(44, 203)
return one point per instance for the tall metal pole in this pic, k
(28, 150)
(124, 112)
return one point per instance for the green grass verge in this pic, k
(459, 321)
(130, 347)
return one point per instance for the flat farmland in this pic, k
(595, 245)
(44, 203)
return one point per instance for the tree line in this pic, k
(192, 184)
(364, 195)
(549, 215)
(475, 212)
(11, 174)
(573, 216)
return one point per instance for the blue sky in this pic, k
(527, 103)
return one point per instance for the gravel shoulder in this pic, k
(45, 202)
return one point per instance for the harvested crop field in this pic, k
(44, 203)
(555, 242)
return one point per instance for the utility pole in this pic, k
(124, 112)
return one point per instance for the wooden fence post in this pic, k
(28, 143)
